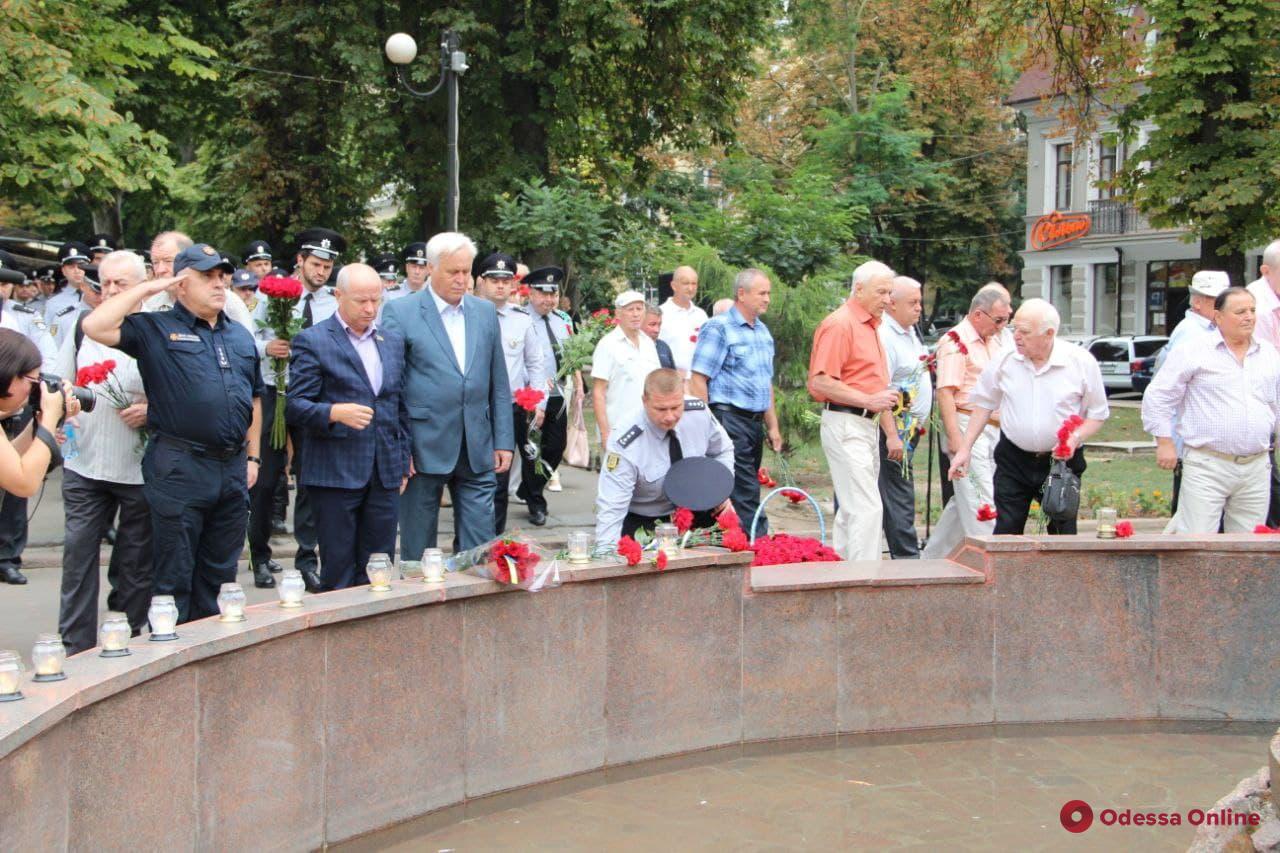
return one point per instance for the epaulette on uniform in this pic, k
(630, 436)
(693, 404)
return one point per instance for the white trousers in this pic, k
(852, 447)
(1216, 489)
(960, 517)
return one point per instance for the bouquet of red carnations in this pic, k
(282, 295)
(782, 548)
(103, 374)
(511, 560)
(528, 399)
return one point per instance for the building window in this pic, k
(1062, 176)
(1107, 163)
(1167, 294)
(1060, 293)
(1110, 315)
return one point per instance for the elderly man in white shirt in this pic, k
(681, 319)
(1037, 386)
(904, 352)
(1267, 291)
(1226, 400)
(105, 476)
(619, 365)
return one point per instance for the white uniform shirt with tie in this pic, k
(551, 329)
(521, 350)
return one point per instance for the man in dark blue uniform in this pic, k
(200, 372)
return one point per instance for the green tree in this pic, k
(1214, 161)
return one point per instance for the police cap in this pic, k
(496, 265)
(547, 279)
(244, 280)
(415, 253)
(257, 250)
(102, 244)
(202, 258)
(385, 264)
(698, 482)
(91, 278)
(323, 243)
(73, 252)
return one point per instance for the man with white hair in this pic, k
(1266, 290)
(849, 375)
(105, 476)
(1225, 396)
(458, 399)
(1037, 387)
(164, 248)
(905, 351)
(963, 353)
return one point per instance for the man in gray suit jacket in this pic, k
(458, 400)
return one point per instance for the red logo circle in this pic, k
(1076, 816)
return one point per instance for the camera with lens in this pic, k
(54, 383)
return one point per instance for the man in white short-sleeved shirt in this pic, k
(681, 319)
(619, 365)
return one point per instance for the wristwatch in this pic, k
(43, 435)
(257, 459)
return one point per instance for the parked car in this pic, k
(1127, 361)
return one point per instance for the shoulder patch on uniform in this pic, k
(23, 308)
(520, 308)
(66, 310)
(693, 404)
(611, 461)
(630, 436)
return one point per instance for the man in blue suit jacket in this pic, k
(458, 399)
(345, 383)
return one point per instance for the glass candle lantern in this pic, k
(668, 538)
(114, 635)
(433, 565)
(379, 571)
(47, 656)
(10, 676)
(231, 601)
(290, 588)
(1106, 523)
(163, 617)
(579, 546)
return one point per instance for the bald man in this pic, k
(681, 319)
(344, 393)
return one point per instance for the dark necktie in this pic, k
(551, 338)
(673, 447)
(307, 319)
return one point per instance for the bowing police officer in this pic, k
(551, 328)
(670, 427)
(200, 373)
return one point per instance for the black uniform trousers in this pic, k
(262, 496)
(898, 498)
(520, 425)
(352, 524)
(633, 522)
(89, 506)
(199, 514)
(1019, 479)
(13, 529)
(555, 435)
(746, 431)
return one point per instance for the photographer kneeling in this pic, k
(30, 414)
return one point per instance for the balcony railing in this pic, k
(1115, 217)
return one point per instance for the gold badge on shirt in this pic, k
(611, 461)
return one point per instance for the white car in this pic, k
(1126, 360)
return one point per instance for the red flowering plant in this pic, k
(282, 294)
(782, 548)
(103, 375)
(528, 399)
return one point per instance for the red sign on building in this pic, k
(1058, 229)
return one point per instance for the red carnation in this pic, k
(728, 520)
(1064, 432)
(661, 562)
(693, 339)
(986, 513)
(964, 350)
(1262, 528)
(793, 495)
(954, 335)
(528, 398)
(280, 287)
(1062, 451)
(683, 519)
(109, 364)
(82, 377)
(924, 358)
(1075, 421)
(1124, 529)
(924, 430)
(735, 540)
(630, 550)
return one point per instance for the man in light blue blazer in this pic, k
(345, 383)
(457, 397)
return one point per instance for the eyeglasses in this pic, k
(32, 379)
(999, 321)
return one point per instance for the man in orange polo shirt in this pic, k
(849, 375)
(963, 352)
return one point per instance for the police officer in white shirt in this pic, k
(668, 427)
(681, 318)
(551, 329)
(495, 280)
(63, 307)
(21, 317)
(414, 256)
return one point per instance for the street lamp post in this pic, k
(401, 50)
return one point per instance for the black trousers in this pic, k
(501, 498)
(555, 434)
(747, 435)
(199, 512)
(352, 524)
(1019, 479)
(633, 522)
(1273, 509)
(898, 498)
(13, 529)
(89, 506)
(262, 497)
